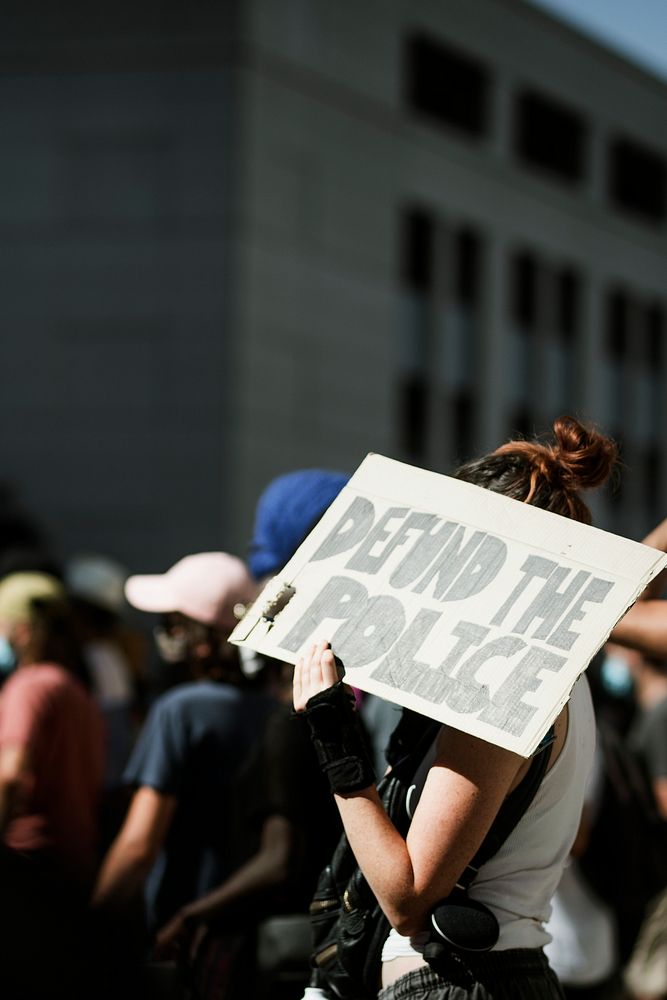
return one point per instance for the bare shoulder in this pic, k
(474, 758)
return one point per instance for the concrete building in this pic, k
(248, 237)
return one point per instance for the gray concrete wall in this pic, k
(200, 216)
(332, 155)
(115, 235)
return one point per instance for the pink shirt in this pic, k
(44, 709)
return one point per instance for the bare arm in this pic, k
(657, 539)
(471, 776)
(14, 770)
(269, 867)
(660, 792)
(133, 852)
(583, 832)
(644, 627)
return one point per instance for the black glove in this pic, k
(339, 739)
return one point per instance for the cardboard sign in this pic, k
(459, 603)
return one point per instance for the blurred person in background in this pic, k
(174, 843)
(584, 950)
(113, 653)
(647, 736)
(22, 560)
(644, 626)
(643, 630)
(287, 511)
(604, 911)
(250, 936)
(51, 769)
(115, 656)
(646, 972)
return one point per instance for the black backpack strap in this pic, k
(410, 742)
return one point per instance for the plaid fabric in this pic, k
(517, 974)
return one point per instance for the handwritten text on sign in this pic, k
(452, 600)
(446, 562)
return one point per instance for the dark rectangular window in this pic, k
(637, 179)
(524, 291)
(417, 244)
(467, 267)
(417, 250)
(522, 425)
(652, 478)
(448, 86)
(616, 486)
(617, 325)
(413, 416)
(463, 416)
(567, 304)
(549, 136)
(655, 332)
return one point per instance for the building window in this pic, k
(416, 272)
(637, 180)
(521, 342)
(467, 267)
(461, 331)
(417, 251)
(616, 489)
(549, 136)
(439, 315)
(524, 291)
(655, 335)
(617, 326)
(413, 416)
(458, 330)
(651, 467)
(561, 374)
(447, 86)
(567, 306)
(652, 370)
(463, 420)
(613, 362)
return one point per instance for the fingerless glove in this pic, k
(338, 739)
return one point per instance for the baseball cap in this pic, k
(287, 510)
(19, 590)
(205, 586)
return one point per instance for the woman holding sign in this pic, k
(465, 786)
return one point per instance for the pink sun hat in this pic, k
(206, 586)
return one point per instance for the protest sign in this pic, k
(457, 602)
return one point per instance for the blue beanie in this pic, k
(287, 510)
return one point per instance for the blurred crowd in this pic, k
(163, 820)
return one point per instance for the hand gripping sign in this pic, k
(462, 604)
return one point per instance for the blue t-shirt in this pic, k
(192, 744)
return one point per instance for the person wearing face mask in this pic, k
(50, 730)
(51, 768)
(7, 658)
(173, 843)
